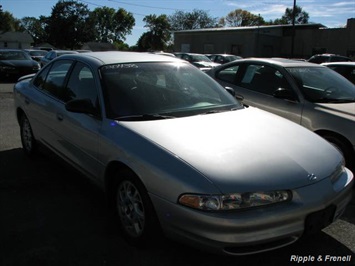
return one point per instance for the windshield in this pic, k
(323, 85)
(197, 58)
(232, 58)
(13, 55)
(38, 53)
(147, 90)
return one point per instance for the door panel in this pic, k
(78, 132)
(257, 84)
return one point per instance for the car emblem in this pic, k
(312, 177)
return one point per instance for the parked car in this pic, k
(323, 58)
(346, 69)
(84, 51)
(45, 48)
(53, 54)
(15, 63)
(199, 60)
(36, 54)
(162, 53)
(309, 94)
(151, 131)
(223, 58)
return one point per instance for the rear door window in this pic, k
(54, 82)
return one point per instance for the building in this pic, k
(300, 41)
(15, 40)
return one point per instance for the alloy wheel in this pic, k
(130, 209)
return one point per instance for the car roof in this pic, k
(60, 50)
(330, 55)
(114, 57)
(189, 53)
(282, 62)
(11, 50)
(339, 64)
(226, 54)
(31, 49)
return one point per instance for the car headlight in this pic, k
(334, 177)
(36, 67)
(234, 201)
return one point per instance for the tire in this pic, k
(136, 216)
(28, 140)
(343, 149)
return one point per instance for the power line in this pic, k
(89, 3)
(130, 4)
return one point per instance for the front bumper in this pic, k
(260, 229)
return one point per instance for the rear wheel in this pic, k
(28, 140)
(135, 211)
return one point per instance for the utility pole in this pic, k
(293, 28)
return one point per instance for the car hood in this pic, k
(18, 63)
(244, 150)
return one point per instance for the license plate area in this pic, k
(316, 221)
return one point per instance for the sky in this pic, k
(330, 13)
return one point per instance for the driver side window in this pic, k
(263, 79)
(81, 85)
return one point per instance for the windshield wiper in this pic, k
(215, 111)
(143, 117)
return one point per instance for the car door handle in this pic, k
(60, 117)
(27, 101)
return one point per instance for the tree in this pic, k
(110, 25)
(68, 25)
(8, 22)
(197, 19)
(240, 17)
(158, 35)
(36, 28)
(301, 17)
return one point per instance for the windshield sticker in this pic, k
(119, 66)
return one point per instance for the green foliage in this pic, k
(8, 22)
(301, 17)
(111, 26)
(240, 17)
(36, 28)
(67, 26)
(158, 35)
(197, 19)
(71, 24)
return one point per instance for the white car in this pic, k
(176, 153)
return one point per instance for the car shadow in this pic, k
(52, 215)
(9, 80)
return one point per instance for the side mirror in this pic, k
(285, 94)
(239, 97)
(230, 90)
(83, 106)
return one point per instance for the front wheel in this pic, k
(28, 140)
(343, 149)
(136, 214)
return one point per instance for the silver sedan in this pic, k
(308, 94)
(177, 154)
